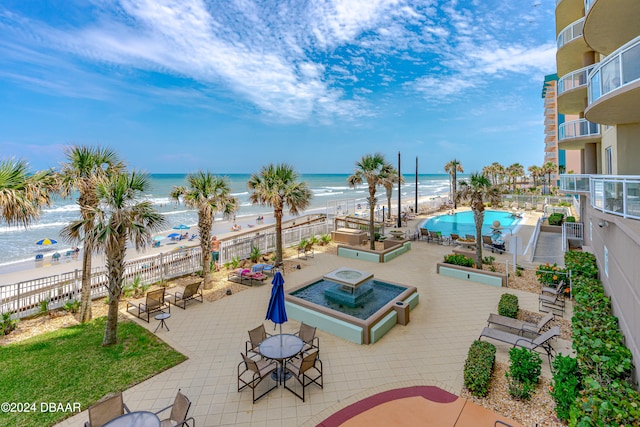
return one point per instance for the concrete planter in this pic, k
(472, 274)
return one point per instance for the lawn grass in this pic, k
(70, 365)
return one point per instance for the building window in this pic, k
(608, 153)
(606, 261)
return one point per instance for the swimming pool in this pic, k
(462, 223)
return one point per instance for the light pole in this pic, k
(399, 223)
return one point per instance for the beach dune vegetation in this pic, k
(120, 216)
(84, 168)
(22, 195)
(476, 191)
(374, 170)
(278, 186)
(209, 194)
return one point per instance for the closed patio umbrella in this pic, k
(276, 311)
(181, 227)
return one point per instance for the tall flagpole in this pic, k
(399, 224)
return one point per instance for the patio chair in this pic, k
(307, 334)
(268, 269)
(553, 303)
(143, 307)
(559, 290)
(106, 409)
(425, 233)
(179, 411)
(180, 296)
(300, 370)
(256, 336)
(541, 341)
(494, 245)
(306, 251)
(519, 325)
(259, 370)
(454, 237)
(435, 237)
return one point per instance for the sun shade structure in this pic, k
(46, 242)
(276, 311)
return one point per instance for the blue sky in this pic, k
(181, 85)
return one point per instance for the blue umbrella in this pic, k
(173, 235)
(46, 242)
(276, 311)
(181, 227)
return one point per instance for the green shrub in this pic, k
(551, 275)
(555, 218)
(7, 324)
(326, 238)
(581, 263)
(458, 259)
(523, 372)
(72, 306)
(255, 254)
(478, 367)
(488, 260)
(508, 306)
(570, 219)
(565, 385)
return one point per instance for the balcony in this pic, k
(550, 157)
(614, 87)
(572, 91)
(571, 48)
(575, 134)
(568, 11)
(611, 23)
(574, 183)
(550, 147)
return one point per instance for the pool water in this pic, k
(462, 223)
(371, 296)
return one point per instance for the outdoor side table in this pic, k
(279, 348)
(162, 317)
(135, 419)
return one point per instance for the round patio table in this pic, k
(279, 348)
(135, 419)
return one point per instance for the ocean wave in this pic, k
(328, 194)
(176, 212)
(334, 188)
(63, 208)
(244, 193)
(13, 229)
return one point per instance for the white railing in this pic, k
(616, 194)
(534, 239)
(588, 4)
(571, 230)
(577, 129)
(574, 79)
(570, 32)
(574, 183)
(619, 69)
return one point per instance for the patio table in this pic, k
(135, 419)
(279, 348)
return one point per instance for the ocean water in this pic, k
(18, 244)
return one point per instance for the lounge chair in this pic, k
(494, 245)
(143, 307)
(244, 276)
(106, 409)
(307, 334)
(519, 325)
(559, 290)
(300, 369)
(454, 237)
(179, 410)
(551, 303)
(180, 296)
(256, 336)
(425, 233)
(259, 370)
(306, 251)
(541, 341)
(435, 237)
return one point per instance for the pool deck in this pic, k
(429, 351)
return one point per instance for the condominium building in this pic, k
(598, 64)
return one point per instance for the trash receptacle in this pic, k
(402, 309)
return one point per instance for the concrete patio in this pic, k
(430, 350)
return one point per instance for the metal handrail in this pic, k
(575, 79)
(577, 129)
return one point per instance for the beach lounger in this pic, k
(180, 296)
(143, 307)
(519, 325)
(541, 341)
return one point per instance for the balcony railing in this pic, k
(588, 4)
(574, 80)
(619, 69)
(571, 32)
(574, 183)
(577, 129)
(612, 194)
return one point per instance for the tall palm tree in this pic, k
(452, 168)
(514, 172)
(374, 169)
(209, 194)
(389, 182)
(477, 191)
(84, 168)
(548, 169)
(120, 216)
(277, 186)
(535, 174)
(22, 195)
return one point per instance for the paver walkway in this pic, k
(430, 350)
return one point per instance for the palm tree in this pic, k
(84, 168)
(548, 169)
(23, 195)
(121, 216)
(515, 171)
(476, 191)
(208, 194)
(452, 168)
(375, 170)
(535, 174)
(277, 186)
(389, 182)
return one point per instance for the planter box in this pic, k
(472, 274)
(397, 249)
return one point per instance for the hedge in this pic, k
(478, 367)
(508, 306)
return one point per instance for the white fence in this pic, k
(571, 230)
